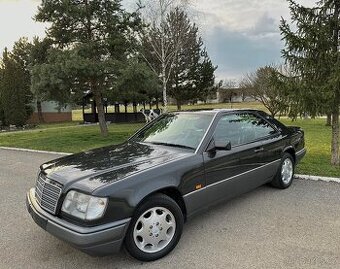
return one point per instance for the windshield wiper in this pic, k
(172, 145)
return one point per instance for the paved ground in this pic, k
(267, 228)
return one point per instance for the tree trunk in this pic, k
(101, 114)
(329, 119)
(134, 105)
(335, 137)
(165, 98)
(335, 158)
(272, 112)
(126, 107)
(40, 115)
(179, 105)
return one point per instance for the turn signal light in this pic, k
(198, 186)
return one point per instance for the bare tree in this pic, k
(265, 86)
(159, 47)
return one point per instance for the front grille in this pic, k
(47, 193)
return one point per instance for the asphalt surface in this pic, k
(266, 228)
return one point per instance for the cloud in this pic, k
(264, 25)
(240, 35)
(238, 53)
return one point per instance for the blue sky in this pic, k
(240, 35)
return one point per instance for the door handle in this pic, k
(257, 150)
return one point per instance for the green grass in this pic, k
(318, 140)
(58, 125)
(68, 139)
(72, 137)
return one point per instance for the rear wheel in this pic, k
(155, 228)
(285, 174)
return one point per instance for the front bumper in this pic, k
(99, 240)
(300, 154)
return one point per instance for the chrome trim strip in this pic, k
(206, 133)
(230, 178)
(300, 151)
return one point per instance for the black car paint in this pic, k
(130, 172)
(114, 172)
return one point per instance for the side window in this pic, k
(260, 126)
(242, 128)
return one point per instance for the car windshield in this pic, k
(185, 130)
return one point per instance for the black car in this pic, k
(139, 194)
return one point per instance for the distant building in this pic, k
(51, 112)
(234, 95)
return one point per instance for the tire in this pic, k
(155, 228)
(285, 174)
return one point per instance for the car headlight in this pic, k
(83, 206)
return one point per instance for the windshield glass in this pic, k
(178, 130)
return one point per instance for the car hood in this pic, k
(91, 169)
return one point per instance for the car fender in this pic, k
(154, 186)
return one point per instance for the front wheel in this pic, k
(155, 228)
(284, 176)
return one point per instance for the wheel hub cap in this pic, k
(287, 171)
(154, 229)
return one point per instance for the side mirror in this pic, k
(223, 145)
(218, 145)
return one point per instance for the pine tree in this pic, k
(38, 57)
(312, 50)
(186, 57)
(192, 76)
(206, 87)
(93, 37)
(159, 48)
(136, 83)
(15, 92)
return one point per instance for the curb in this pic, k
(319, 178)
(36, 151)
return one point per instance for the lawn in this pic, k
(72, 137)
(77, 114)
(68, 138)
(318, 139)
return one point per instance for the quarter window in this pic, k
(242, 128)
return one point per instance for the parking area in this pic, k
(266, 228)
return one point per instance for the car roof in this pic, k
(217, 111)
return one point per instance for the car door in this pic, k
(232, 172)
(274, 143)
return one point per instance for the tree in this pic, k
(38, 57)
(265, 86)
(312, 50)
(136, 83)
(185, 65)
(206, 87)
(93, 37)
(14, 89)
(192, 73)
(159, 49)
(2, 112)
(58, 78)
